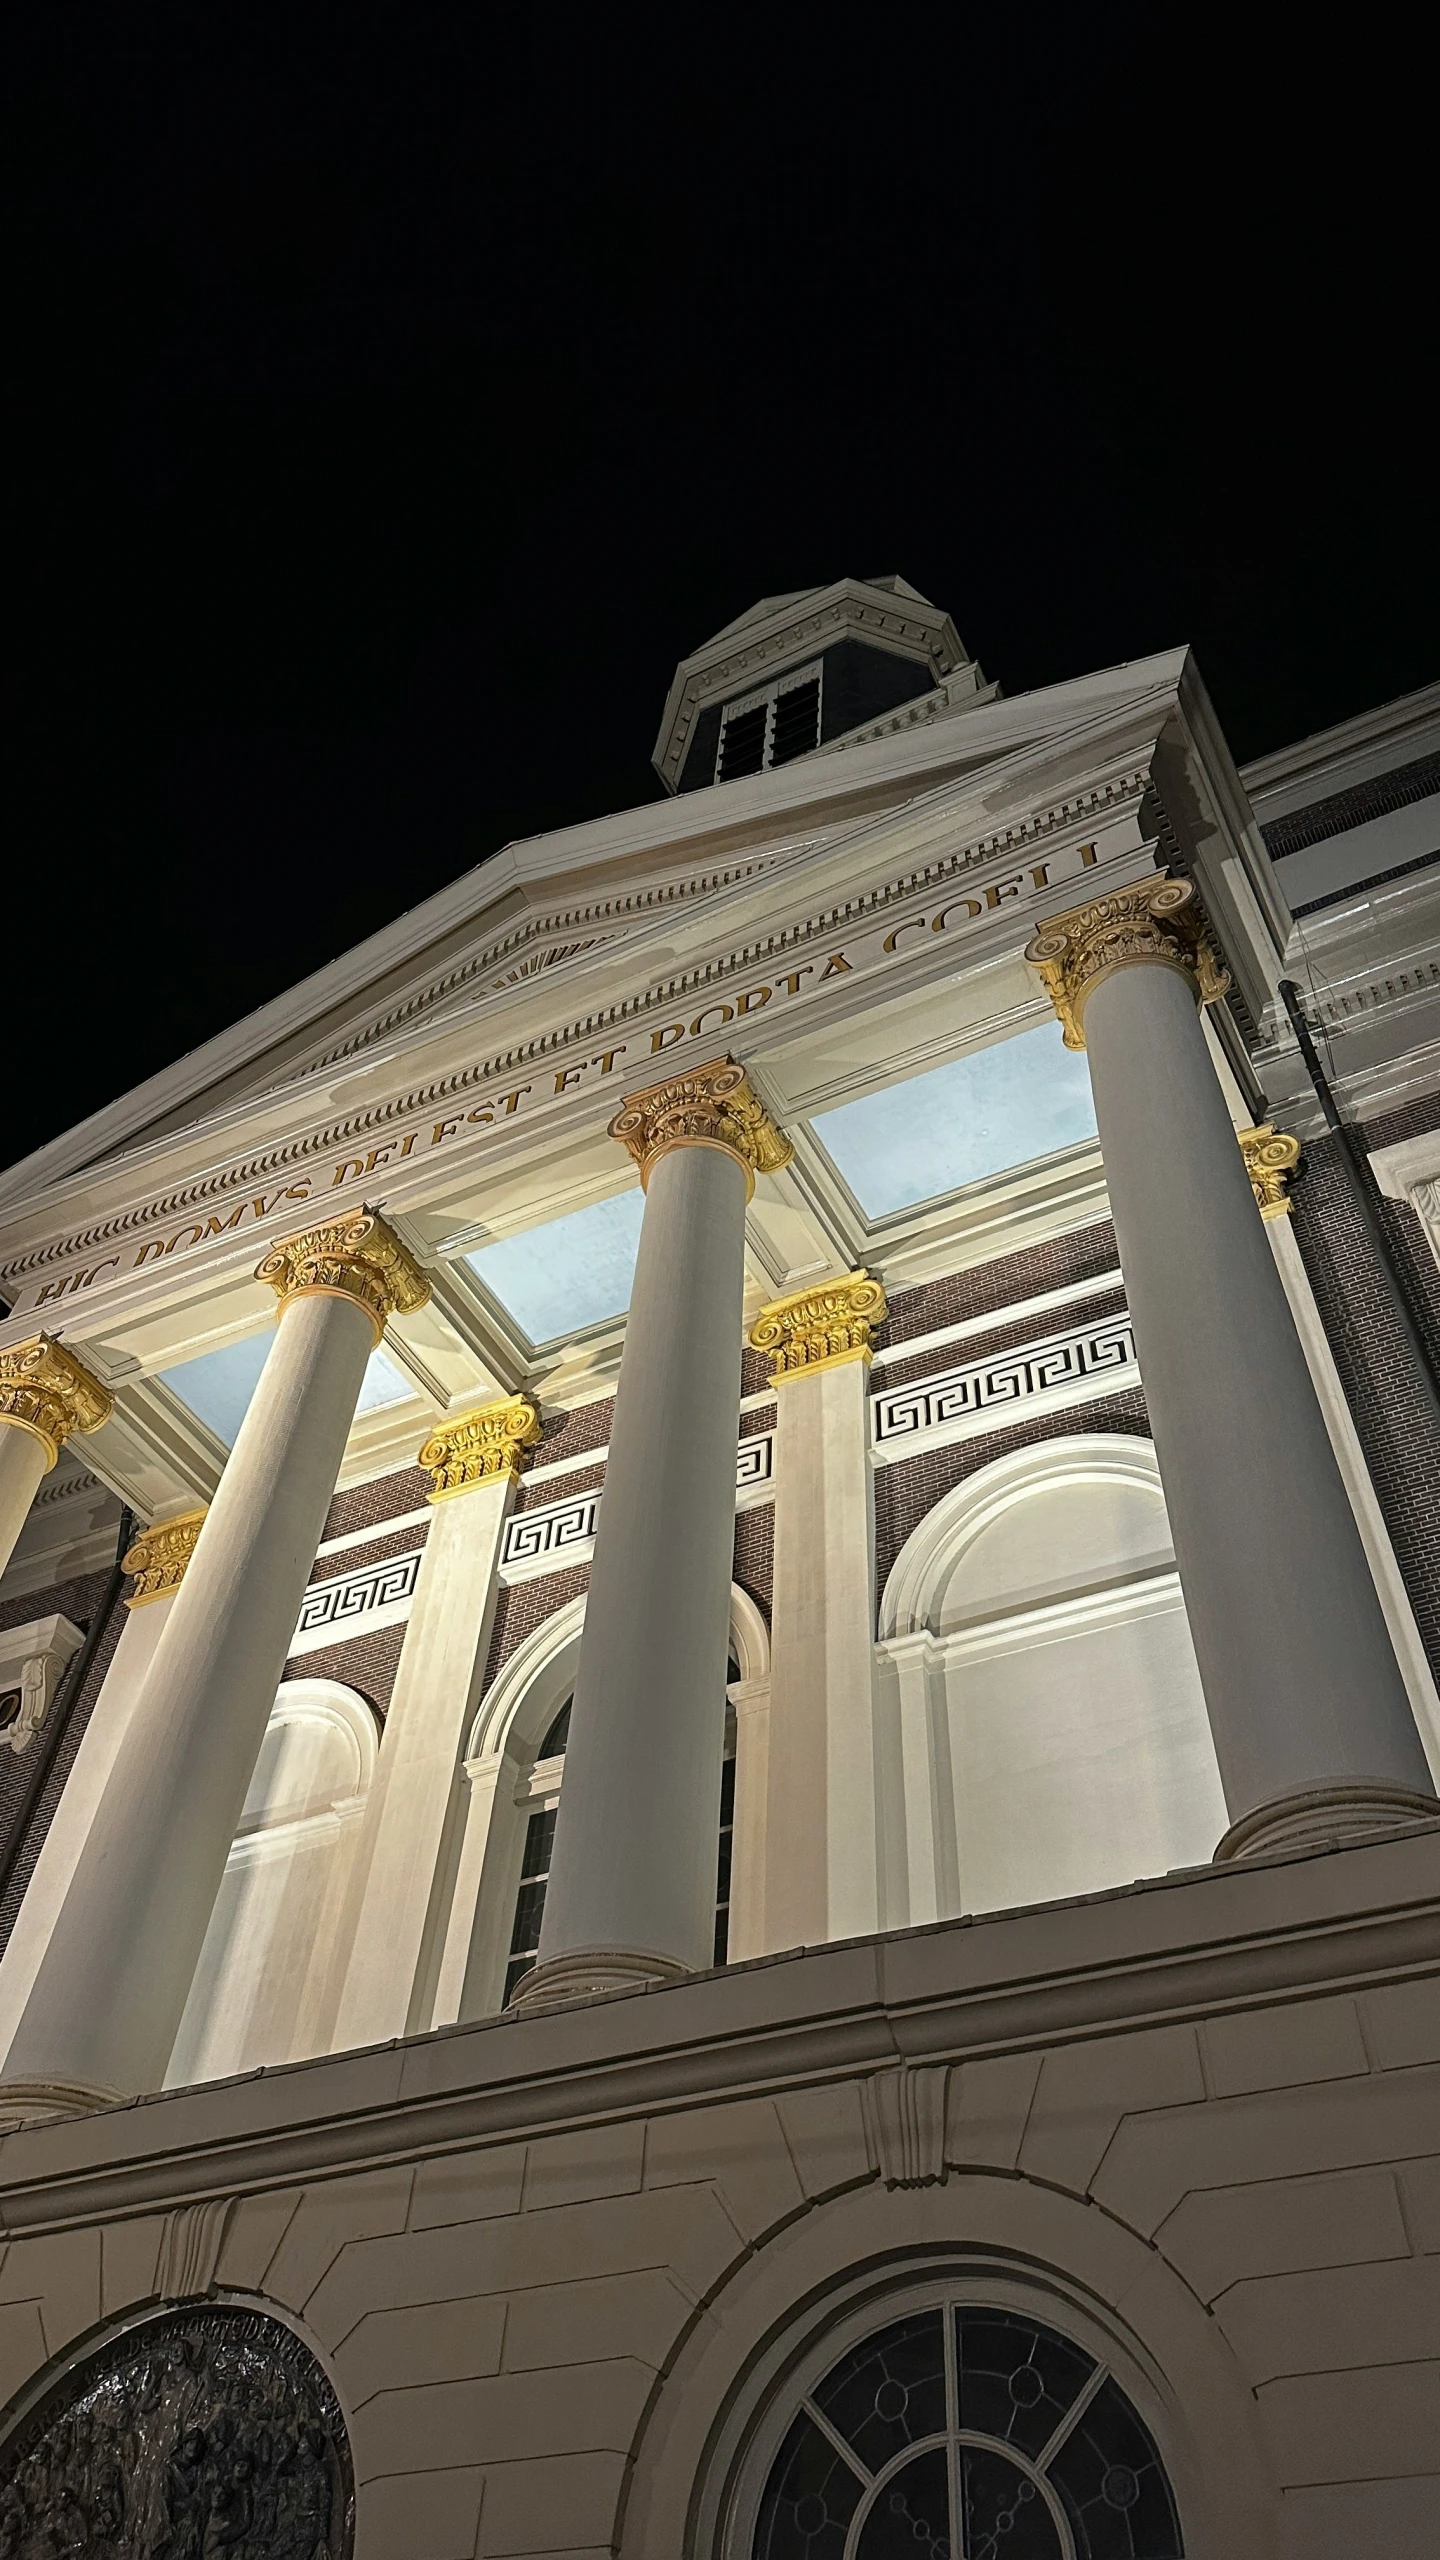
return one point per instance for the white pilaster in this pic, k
(823, 1859)
(417, 1814)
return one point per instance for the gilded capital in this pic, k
(711, 1106)
(45, 1391)
(818, 1328)
(1155, 921)
(478, 1447)
(358, 1258)
(1270, 1160)
(160, 1555)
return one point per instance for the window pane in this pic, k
(742, 743)
(810, 2497)
(1116, 2495)
(1004, 2511)
(558, 1735)
(797, 722)
(982, 1115)
(1016, 2380)
(571, 1272)
(890, 2392)
(910, 2519)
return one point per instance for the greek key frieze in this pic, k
(1096, 1356)
(543, 1540)
(359, 1594)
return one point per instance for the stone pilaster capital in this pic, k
(359, 1258)
(478, 1447)
(1155, 921)
(709, 1106)
(1270, 1160)
(44, 1390)
(160, 1555)
(818, 1328)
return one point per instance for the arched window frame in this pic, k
(804, 2351)
(505, 1782)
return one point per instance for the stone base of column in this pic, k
(1322, 1817)
(29, 2102)
(590, 1975)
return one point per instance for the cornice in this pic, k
(1164, 1953)
(1101, 803)
(703, 828)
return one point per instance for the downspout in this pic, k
(1409, 1311)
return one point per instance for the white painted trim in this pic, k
(973, 1326)
(957, 1519)
(976, 1426)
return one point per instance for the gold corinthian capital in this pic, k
(160, 1555)
(710, 1106)
(478, 1447)
(358, 1258)
(1155, 921)
(45, 1391)
(1270, 1159)
(818, 1328)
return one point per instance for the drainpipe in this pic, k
(1410, 1312)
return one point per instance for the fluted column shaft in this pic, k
(111, 1987)
(1312, 1726)
(632, 1880)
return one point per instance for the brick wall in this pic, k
(905, 1491)
(1392, 1413)
(384, 1498)
(988, 1288)
(367, 1663)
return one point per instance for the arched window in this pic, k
(540, 1840)
(963, 2431)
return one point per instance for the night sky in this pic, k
(402, 390)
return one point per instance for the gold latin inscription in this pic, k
(862, 950)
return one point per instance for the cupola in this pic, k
(801, 672)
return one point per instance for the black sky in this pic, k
(401, 390)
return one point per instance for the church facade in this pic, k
(718, 1647)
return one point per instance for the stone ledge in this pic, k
(1200, 1944)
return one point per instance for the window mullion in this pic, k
(952, 2429)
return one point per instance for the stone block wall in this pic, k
(545, 2260)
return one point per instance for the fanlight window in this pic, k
(967, 2433)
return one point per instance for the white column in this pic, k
(632, 1885)
(1312, 1727)
(822, 1828)
(158, 1559)
(112, 1984)
(414, 1819)
(45, 1395)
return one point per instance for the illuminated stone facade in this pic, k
(771, 1879)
